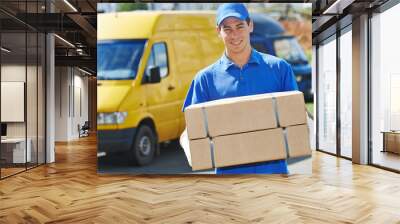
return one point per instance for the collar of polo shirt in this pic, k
(227, 63)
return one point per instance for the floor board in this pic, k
(70, 191)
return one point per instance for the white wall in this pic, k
(33, 126)
(13, 72)
(16, 73)
(71, 93)
(61, 103)
(80, 84)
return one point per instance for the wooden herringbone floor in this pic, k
(70, 191)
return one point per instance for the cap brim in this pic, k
(232, 14)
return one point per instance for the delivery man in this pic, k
(241, 71)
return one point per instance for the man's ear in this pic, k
(251, 26)
(218, 29)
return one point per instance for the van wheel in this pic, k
(144, 146)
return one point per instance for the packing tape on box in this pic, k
(208, 135)
(275, 106)
(203, 109)
(285, 139)
(212, 148)
(212, 152)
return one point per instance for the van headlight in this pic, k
(111, 118)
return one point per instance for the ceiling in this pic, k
(330, 15)
(73, 21)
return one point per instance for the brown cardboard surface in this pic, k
(298, 141)
(244, 129)
(247, 113)
(291, 108)
(250, 147)
(231, 115)
(200, 152)
(195, 122)
(251, 114)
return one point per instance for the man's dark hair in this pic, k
(247, 21)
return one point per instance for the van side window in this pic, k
(158, 57)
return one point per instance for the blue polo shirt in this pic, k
(263, 73)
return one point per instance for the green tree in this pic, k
(131, 6)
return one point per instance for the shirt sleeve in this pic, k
(197, 93)
(289, 80)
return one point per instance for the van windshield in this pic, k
(290, 50)
(118, 60)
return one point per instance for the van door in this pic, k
(161, 98)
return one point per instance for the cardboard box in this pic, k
(236, 149)
(244, 114)
(298, 141)
(231, 115)
(249, 147)
(200, 154)
(291, 108)
(195, 124)
(248, 129)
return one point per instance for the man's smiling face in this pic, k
(235, 34)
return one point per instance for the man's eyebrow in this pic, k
(241, 23)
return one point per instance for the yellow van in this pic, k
(146, 61)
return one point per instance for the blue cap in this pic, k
(237, 10)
